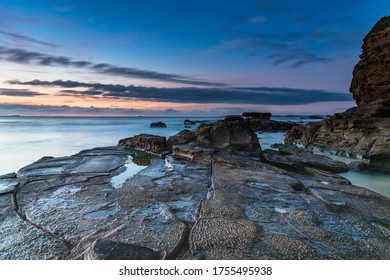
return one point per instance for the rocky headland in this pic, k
(211, 193)
(362, 132)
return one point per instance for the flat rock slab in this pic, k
(230, 207)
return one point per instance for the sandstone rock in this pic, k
(362, 132)
(102, 249)
(182, 137)
(232, 206)
(145, 143)
(347, 134)
(296, 159)
(371, 76)
(8, 185)
(262, 122)
(230, 134)
(358, 166)
(158, 124)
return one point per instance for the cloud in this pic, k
(82, 92)
(26, 38)
(297, 57)
(19, 92)
(36, 58)
(238, 95)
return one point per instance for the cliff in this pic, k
(362, 132)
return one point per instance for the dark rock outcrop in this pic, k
(362, 132)
(158, 124)
(297, 159)
(102, 249)
(231, 134)
(358, 166)
(371, 76)
(262, 122)
(145, 143)
(188, 122)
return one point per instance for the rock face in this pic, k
(362, 132)
(262, 122)
(371, 76)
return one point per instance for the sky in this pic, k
(177, 57)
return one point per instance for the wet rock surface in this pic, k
(230, 206)
(294, 158)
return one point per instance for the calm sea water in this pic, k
(24, 140)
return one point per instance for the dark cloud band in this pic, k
(255, 95)
(36, 58)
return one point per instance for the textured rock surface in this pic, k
(231, 134)
(363, 132)
(145, 142)
(158, 124)
(230, 207)
(293, 158)
(347, 134)
(262, 122)
(371, 76)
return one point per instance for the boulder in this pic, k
(158, 124)
(262, 122)
(145, 143)
(232, 133)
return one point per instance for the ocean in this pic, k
(24, 140)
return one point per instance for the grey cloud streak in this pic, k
(19, 92)
(37, 58)
(26, 38)
(256, 95)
